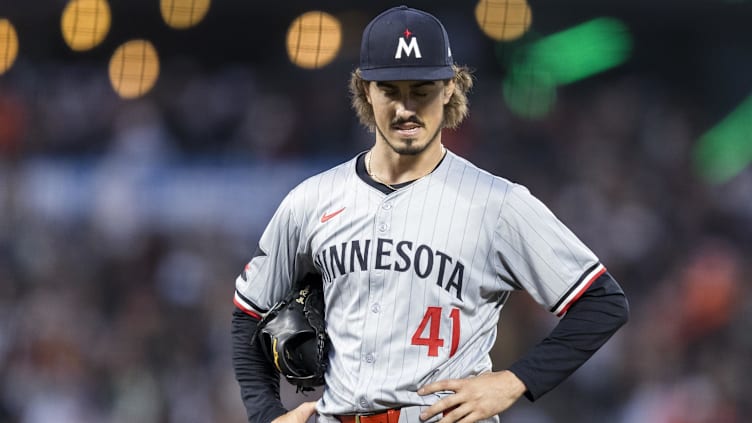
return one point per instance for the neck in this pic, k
(389, 167)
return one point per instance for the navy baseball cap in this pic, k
(405, 44)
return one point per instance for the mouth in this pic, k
(407, 129)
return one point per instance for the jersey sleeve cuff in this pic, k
(246, 306)
(574, 293)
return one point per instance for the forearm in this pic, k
(259, 382)
(588, 324)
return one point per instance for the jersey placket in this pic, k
(374, 322)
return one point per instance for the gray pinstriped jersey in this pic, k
(414, 281)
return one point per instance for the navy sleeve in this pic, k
(259, 381)
(588, 324)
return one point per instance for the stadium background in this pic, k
(124, 221)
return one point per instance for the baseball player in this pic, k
(419, 250)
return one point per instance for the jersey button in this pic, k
(370, 358)
(383, 227)
(376, 308)
(387, 206)
(363, 403)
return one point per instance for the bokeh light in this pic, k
(503, 20)
(182, 14)
(8, 45)
(314, 39)
(536, 68)
(726, 149)
(134, 68)
(85, 23)
(528, 92)
(583, 50)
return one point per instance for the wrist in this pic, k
(515, 385)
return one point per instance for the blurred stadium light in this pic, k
(85, 23)
(536, 68)
(314, 39)
(134, 68)
(581, 51)
(183, 14)
(726, 149)
(8, 45)
(503, 20)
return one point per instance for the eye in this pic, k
(389, 92)
(420, 94)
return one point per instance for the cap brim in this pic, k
(408, 73)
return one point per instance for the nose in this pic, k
(405, 107)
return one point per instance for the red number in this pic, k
(455, 315)
(432, 319)
(433, 342)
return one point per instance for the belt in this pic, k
(388, 416)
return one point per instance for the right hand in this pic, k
(298, 415)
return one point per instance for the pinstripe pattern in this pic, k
(457, 240)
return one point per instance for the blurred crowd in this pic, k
(116, 280)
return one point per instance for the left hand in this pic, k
(301, 414)
(474, 398)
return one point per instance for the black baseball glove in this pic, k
(293, 335)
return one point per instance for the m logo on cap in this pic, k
(407, 48)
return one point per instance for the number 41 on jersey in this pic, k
(432, 320)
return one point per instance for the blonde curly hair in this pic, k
(454, 112)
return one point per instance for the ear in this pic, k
(367, 90)
(449, 88)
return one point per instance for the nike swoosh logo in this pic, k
(325, 217)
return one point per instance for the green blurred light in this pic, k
(537, 67)
(529, 93)
(726, 149)
(583, 50)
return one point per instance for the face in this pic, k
(409, 114)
